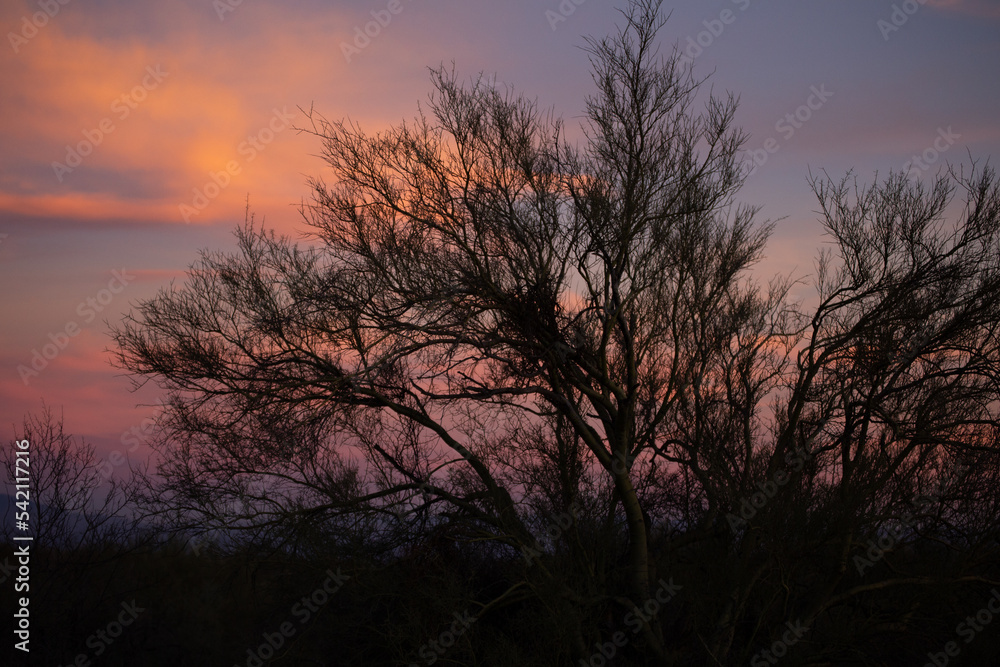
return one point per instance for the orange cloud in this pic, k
(95, 135)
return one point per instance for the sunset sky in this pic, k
(118, 114)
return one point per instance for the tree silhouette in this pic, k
(66, 505)
(495, 329)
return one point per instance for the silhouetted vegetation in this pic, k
(522, 402)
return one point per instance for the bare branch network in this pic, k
(492, 325)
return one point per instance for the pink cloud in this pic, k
(166, 141)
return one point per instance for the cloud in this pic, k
(93, 134)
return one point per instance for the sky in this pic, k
(136, 134)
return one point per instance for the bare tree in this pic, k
(477, 285)
(884, 430)
(70, 506)
(493, 329)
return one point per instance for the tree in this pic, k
(533, 348)
(67, 507)
(81, 530)
(884, 438)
